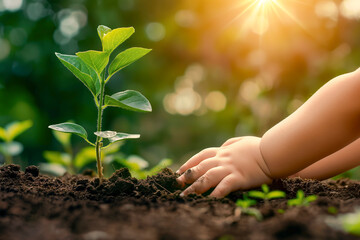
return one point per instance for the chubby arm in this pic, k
(326, 123)
(334, 164)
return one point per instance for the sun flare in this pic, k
(264, 2)
(258, 14)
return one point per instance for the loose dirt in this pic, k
(35, 206)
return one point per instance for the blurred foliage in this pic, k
(139, 168)
(59, 162)
(10, 148)
(349, 222)
(213, 74)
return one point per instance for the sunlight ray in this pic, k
(260, 11)
(248, 8)
(281, 7)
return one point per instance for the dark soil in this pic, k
(34, 206)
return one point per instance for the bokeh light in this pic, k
(36, 11)
(350, 9)
(18, 36)
(327, 9)
(186, 18)
(12, 5)
(4, 48)
(215, 101)
(155, 31)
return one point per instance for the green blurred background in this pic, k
(218, 68)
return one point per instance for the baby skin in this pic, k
(319, 140)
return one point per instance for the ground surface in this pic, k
(37, 207)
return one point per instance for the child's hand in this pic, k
(237, 164)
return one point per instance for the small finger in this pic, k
(227, 185)
(192, 174)
(210, 179)
(197, 158)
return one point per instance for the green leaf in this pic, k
(294, 202)
(3, 135)
(123, 136)
(300, 194)
(95, 59)
(242, 203)
(111, 40)
(102, 30)
(84, 73)
(126, 58)
(256, 194)
(63, 159)
(254, 212)
(265, 188)
(11, 148)
(245, 203)
(130, 100)
(70, 128)
(311, 198)
(275, 194)
(14, 129)
(106, 134)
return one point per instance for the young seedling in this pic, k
(301, 200)
(266, 194)
(10, 148)
(244, 206)
(94, 70)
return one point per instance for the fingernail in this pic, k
(182, 194)
(178, 171)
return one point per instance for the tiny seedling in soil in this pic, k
(301, 200)
(332, 210)
(94, 70)
(10, 148)
(244, 206)
(266, 194)
(349, 222)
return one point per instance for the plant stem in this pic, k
(99, 143)
(8, 159)
(69, 151)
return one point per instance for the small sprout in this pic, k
(244, 206)
(332, 210)
(349, 222)
(245, 202)
(301, 200)
(10, 148)
(94, 70)
(266, 194)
